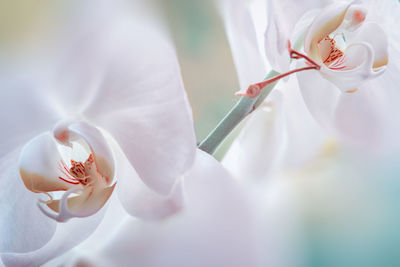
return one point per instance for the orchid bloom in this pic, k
(67, 130)
(347, 61)
(338, 43)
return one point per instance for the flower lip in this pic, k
(44, 170)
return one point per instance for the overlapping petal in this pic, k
(240, 28)
(259, 147)
(138, 199)
(216, 228)
(67, 236)
(23, 227)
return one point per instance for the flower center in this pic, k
(80, 173)
(329, 50)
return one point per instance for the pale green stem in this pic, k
(243, 107)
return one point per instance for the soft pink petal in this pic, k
(121, 71)
(259, 147)
(320, 96)
(67, 236)
(359, 116)
(304, 134)
(215, 229)
(139, 96)
(23, 227)
(374, 35)
(26, 111)
(240, 28)
(138, 199)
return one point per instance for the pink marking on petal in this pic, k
(359, 16)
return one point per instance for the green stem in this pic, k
(242, 108)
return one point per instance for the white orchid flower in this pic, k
(118, 87)
(217, 227)
(340, 34)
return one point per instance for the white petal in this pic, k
(374, 35)
(138, 199)
(320, 97)
(359, 117)
(67, 236)
(72, 53)
(304, 134)
(27, 111)
(139, 96)
(215, 229)
(23, 227)
(258, 148)
(240, 29)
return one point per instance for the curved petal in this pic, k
(71, 51)
(138, 199)
(138, 96)
(67, 236)
(360, 117)
(216, 228)
(374, 35)
(23, 227)
(258, 148)
(41, 167)
(240, 29)
(27, 111)
(357, 68)
(304, 134)
(320, 96)
(87, 203)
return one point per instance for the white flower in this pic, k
(118, 93)
(351, 53)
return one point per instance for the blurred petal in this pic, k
(258, 148)
(67, 236)
(304, 134)
(359, 116)
(27, 111)
(215, 228)
(23, 227)
(374, 35)
(240, 29)
(320, 97)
